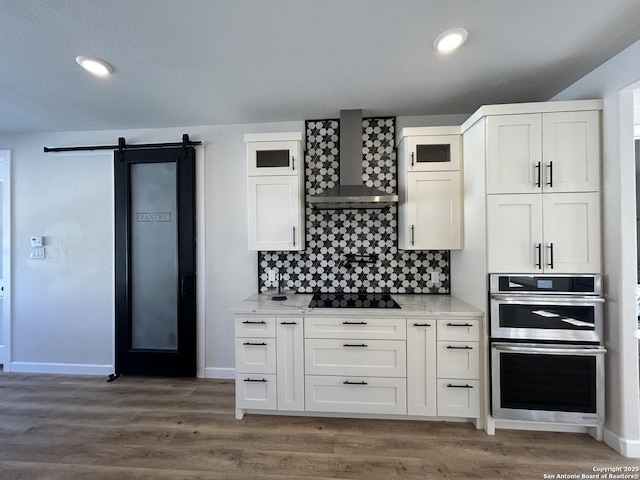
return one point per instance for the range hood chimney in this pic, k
(351, 193)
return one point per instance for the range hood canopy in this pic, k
(351, 193)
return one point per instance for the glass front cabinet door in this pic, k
(428, 149)
(274, 153)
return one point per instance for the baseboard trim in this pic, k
(219, 372)
(625, 447)
(62, 368)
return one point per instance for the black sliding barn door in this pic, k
(155, 261)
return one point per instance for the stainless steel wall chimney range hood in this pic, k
(351, 193)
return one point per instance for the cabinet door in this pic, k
(458, 398)
(428, 153)
(421, 367)
(571, 151)
(275, 220)
(274, 158)
(434, 212)
(514, 233)
(571, 232)
(514, 153)
(290, 361)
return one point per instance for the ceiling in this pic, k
(208, 62)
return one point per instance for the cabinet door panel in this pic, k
(572, 232)
(514, 231)
(458, 398)
(274, 213)
(514, 153)
(421, 367)
(571, 151)
(290, 361)
(433, 211)
(429, 153)
(256, 391)
(274, 158)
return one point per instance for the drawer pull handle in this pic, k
(354, 323)
(421, 324)
(262, 380)
(347, 382)
(466, 347)
(261, 322)
(255, 344)
(288, 323)
(450, 385)
(459, 325)
(355, 345)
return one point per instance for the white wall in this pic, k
(63, 306)
(613, 82)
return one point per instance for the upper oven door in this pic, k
(547, 317)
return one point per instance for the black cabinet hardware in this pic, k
(288, 323)
(551, 255)
(347, 382)
(459, 325)
(261, 322)
(550, 167)
(450, 385)
(354, 345)
(262, 380)
(466, 347)
(255, 344)
(539, 182)
(421, 324)
(354, 323)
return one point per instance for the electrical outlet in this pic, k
(272, 275)
(435, 277)
(36, 241)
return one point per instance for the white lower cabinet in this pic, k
(424, 367)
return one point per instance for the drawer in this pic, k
(377, 358)
(255, 327)
(458, 360)
(256, 391)
(356, 395)
(256, 355)
(356, 327)
(458, 398)
(462, 330)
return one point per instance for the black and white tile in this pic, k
(333, 234)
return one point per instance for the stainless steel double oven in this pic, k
(547, 353)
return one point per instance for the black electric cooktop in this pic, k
(353, 300)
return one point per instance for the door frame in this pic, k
(5, 175)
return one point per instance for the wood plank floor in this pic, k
(82, 428)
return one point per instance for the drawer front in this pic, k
(369, 328)
(255, 327)
(458, 398)
(255, 355)
(256, 391)
(461, 330)
(377, 358)
(458, 360)
(356, 395)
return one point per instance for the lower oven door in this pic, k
(548, 382)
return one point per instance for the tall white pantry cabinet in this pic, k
(542, 165)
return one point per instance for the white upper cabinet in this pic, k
(275, 213)
(274, 153)
(430, 188)
(275, 191)
(553, 233)
(433, 212)
(543, 152)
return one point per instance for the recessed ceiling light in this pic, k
(95, 65)
(450, 40)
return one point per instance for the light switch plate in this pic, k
(37, 252)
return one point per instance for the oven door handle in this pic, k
(586, 350)
(547, 299)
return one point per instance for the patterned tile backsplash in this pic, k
(354, 250)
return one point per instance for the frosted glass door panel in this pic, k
(154, 256)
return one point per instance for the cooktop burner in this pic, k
(353, 300)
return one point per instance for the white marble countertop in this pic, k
(411, 305)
